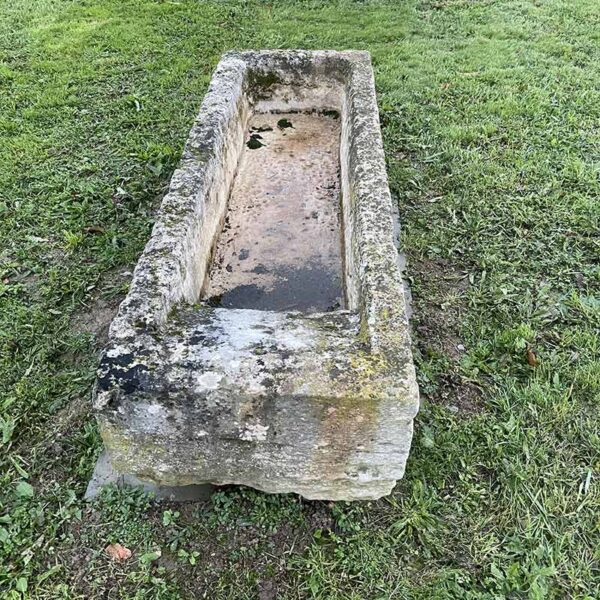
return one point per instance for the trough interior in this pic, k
(280, 243)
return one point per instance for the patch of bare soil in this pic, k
(99, 309)
(265, 551)
(95, 318)
(438, 308)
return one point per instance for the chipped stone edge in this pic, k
(106, 475)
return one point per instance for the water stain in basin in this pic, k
(306, 289)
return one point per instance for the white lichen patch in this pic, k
(208, 380)
(254, 432)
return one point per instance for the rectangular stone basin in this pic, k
(264, 340)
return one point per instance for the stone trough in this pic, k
(264, 340)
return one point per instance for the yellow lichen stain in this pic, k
(345, 430)
(125, 451)
(348, 423)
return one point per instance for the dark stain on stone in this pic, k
(119, 370)
(306, 289)
(284, 353)
(242, 296)
(260, 269)
(259, 82)
(262, 128)
(214, 301)
(244, 254)
(334, 372)
(254, 143)
(284, 124)
(268, 382)
(198, 339)
(334, 114)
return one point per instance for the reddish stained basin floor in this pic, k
(280, 247)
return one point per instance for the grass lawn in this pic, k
(491, 120)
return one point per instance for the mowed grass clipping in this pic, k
(490, 113)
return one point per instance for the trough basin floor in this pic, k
(280, 248)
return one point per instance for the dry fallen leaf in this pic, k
(117, 552)
(94, 229)
(532, 359)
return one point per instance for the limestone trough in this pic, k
(264, 340)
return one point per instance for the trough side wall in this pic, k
(173, 264)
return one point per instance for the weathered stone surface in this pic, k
(320, 404)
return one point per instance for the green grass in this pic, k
(490, 112)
